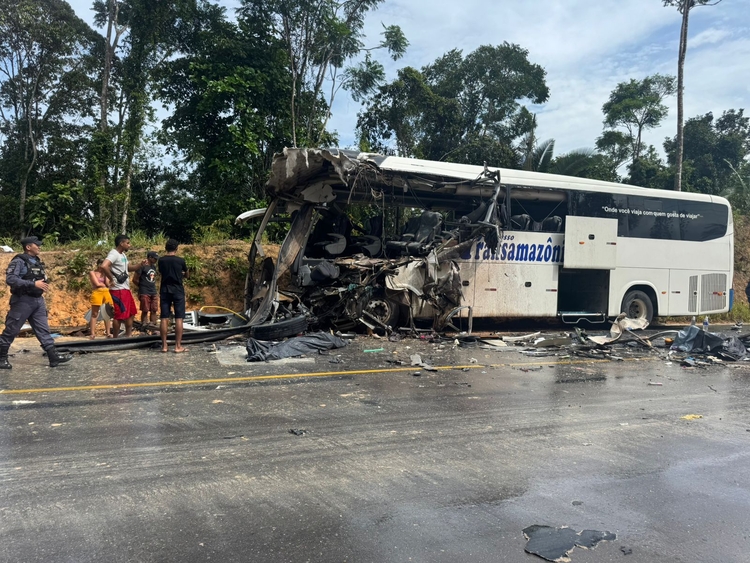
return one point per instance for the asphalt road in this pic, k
(146, 457)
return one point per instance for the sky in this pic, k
(586, 47)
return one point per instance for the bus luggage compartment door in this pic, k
(590, 243)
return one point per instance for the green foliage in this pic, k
(636, 106)
(318, 39)
(715, 152)
(195, 297)
(78, 265)
(60, 213)
(76, 271)
(215, 233)
(44, 91)
(142, 240)
(238, 266)
(199, 274)
(460, 109)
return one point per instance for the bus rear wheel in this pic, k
(638, 305)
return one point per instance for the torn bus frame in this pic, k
(380, 278)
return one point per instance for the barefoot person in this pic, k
(116, 268)
(99, 298)
(172, 294)
(145, 279)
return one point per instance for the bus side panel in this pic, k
(515, 290)
(693, 292)
(521, 280)
(623, 279)
(468, 287)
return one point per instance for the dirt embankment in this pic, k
(217, 278)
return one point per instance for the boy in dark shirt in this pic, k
(172, 294)
(145, 279)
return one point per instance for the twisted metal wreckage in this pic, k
(343, 274)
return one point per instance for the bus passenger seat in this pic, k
(520, 222)
(552, 224)
(418, 232)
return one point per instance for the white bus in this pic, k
(382, 240)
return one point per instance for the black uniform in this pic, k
(27, 303)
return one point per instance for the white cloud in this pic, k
(708, 37)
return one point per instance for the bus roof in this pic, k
(295, 168)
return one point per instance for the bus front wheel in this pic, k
(638, 305)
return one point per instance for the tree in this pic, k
(462, 109)
(320, 36)
(714, 151)
(107, 14)
(229, 88)
(683, 7)
(43, 82)
(144, 37)
(635, 106)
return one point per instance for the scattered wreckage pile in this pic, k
(691, 346)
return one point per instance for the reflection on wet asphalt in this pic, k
(370, 463)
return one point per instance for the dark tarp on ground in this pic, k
(694, 339)
(259, 351)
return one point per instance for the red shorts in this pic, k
(124, 304)
(149, 303)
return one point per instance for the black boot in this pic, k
(4, 363)
(55, 358)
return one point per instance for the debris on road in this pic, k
(260, 351)
(416, 360)
(524, 338)
(556, 544)
(691, 417)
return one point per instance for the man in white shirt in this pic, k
(117, 268)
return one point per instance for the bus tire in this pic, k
(280, 329)
(638, 305)
(384, 309)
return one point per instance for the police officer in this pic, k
(28, 282)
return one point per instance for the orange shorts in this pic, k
(100, 296)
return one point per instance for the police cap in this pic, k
(30, 240)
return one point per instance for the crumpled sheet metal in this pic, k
(618, 328)
(294, 167)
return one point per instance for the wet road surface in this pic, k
(191, 458)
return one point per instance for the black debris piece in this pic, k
(260, 351)
(298, 431)
(696, 340)
(555, 544)
(590, 538)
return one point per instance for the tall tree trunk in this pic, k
(31, 141)
(113, 9)
(680, 89)
(127, 192)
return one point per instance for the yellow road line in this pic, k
(252, 378)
